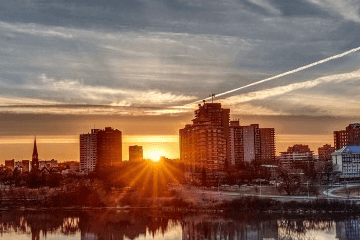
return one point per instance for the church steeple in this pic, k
(35, 153)
(35, 158)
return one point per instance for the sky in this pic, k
(67, 66)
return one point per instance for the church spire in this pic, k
(35, 158)
(35, 153)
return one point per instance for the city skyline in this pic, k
(134, 65)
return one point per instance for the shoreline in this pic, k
(239, 205)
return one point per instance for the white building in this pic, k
(88, 151)
(346, 162)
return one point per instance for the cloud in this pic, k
(266, 5)
(312, 98)
(99, 110)
(36, 29)
(16, 101)
(100, 94)
(273, 92)
(348, 9)
(322, 104)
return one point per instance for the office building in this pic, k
(325, 152)
(135, 153)
(349, 136)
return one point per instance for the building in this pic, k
(346, 162)
(35, 159)
(135, 153)
(218, 116)
(49, 164)
(204, 144)
(23, 166)
(10, 164)
(100, 149)
(109, 148)
(348, 229)
(349, 136)
(74, 166)
(249, 143)
(325, 152)
(88, 151)
(297, 158)
(267, 145)
(236, 143)
(251, 139)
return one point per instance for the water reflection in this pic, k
(207, 227)
(145, 224)
(348, 230)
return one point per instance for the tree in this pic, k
(328, 170)
(288, 182)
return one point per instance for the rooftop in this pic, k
(348, 149)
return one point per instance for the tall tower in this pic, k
(109, 148)
(203, 144)
(35, 159)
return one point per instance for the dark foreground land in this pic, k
(83, 196)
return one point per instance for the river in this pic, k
(146, 224)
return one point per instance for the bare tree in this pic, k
(289, 183)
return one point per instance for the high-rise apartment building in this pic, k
(135, 153)
(251, 139)
(88, 151)
(297, 158)
(249, 143)
(325, 152)
(267, 145)
(204, 144)
(236, 143)
(349, 136)
(100, 149)
(218, 116)
(109, 148)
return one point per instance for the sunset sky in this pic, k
(67, 66)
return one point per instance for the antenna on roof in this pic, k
(212, 97)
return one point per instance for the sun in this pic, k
(155, 155)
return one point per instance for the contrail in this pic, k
(285, 73)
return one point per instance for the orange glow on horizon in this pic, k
(155, 155)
